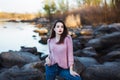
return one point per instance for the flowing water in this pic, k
(14, 35)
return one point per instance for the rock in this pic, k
(86, 32)
(10, 59)
(78, 53)
(89, 52)
(84, 39)
(43, 40)
(106, 71)
(78, 66)
(112, 56)
(41, 31)
(32, 50)
(15, 73)
(35, 65)
(107, 29)
(87, 61)
(104, 42)
(76, 45)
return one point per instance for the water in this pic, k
(15, 35)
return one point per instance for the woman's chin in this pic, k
(60, 33)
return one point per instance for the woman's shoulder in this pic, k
(48, 40)
(68, 37)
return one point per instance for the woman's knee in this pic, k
(68, 76)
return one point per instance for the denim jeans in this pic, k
(54, 70)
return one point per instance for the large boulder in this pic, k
(35, 65)
(9, 59)
(107, 29)
(112, 56)
(87, 61)
(16, 73)
(106, 71)
(78, 66)
(104, 42)
(89, 52)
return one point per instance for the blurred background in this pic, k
(40, 14)
(80, 11)
(94, 26)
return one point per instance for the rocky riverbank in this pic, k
(96, 54)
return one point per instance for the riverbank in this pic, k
(96, 54)
(14, 35)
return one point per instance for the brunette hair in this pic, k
(63, 35)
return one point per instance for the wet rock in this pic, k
(10, 59)
(84, 39)
(107, 29)
(112, 56)
(15, 73)
(41, 31)
(89, 52)
(78, 53)
(35, 65)
(32, 50)
(76, 44)
(87, 61)
(78, 66)
(43, 40)
(107, 71)
(105, 42)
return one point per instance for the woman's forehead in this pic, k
(59, 23)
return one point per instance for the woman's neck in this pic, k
(57, 37)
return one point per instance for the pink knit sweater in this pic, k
(62, 54)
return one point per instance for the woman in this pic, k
(60, 60)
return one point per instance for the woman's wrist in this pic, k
(71, 68)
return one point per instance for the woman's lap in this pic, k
(54, 70)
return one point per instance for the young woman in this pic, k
(60, 60)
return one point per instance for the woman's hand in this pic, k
(47, 61)
(73, 73)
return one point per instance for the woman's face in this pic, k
(59, 28)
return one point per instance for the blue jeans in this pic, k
(54, 70)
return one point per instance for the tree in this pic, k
(116, 8)
(50, 8)
(63, 6)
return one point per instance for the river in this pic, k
(14, 35)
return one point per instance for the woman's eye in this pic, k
(61, 26)
(57, 26)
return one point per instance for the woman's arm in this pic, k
(70, 56)
(47, 60)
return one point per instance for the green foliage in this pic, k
(47, 8)
(50, 8)
(90, 11)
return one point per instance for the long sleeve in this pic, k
(70, 51)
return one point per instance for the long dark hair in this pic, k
(63, 35)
